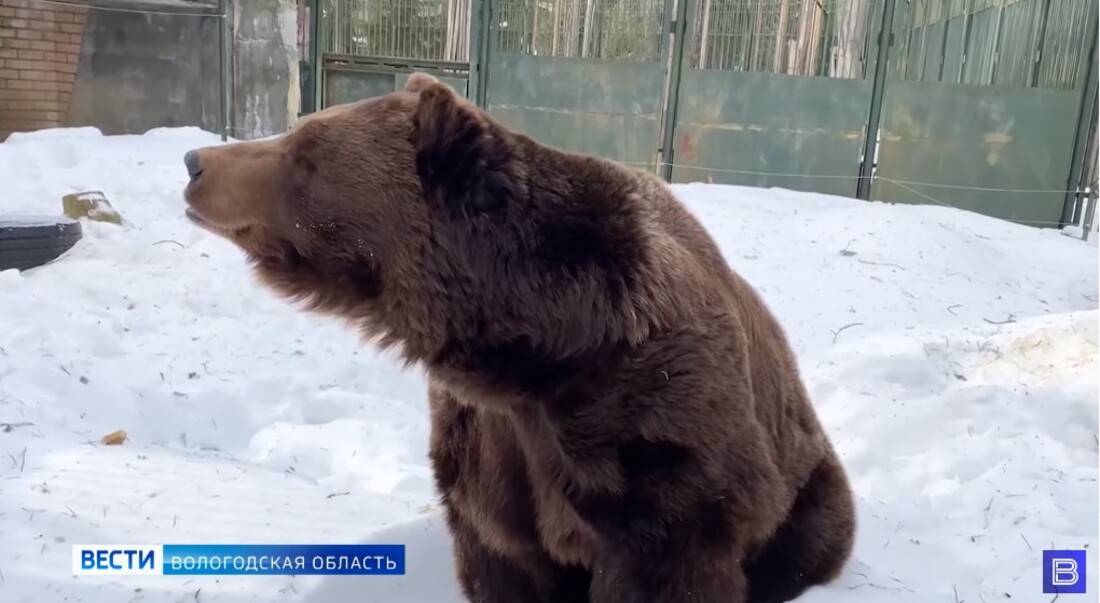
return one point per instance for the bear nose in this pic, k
(191, 162)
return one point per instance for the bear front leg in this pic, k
(626, 574)
(490, 515)
(486, 576)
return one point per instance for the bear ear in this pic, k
(462, 157)
(419, 81)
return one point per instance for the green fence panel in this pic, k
(784, 113)
(354, 84)
(998, 151)
(586, 76)
(762, 129)
(350, 86)
(607, 108)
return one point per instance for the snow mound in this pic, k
(971, 450)
(54, 135)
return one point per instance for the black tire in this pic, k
(31, 241)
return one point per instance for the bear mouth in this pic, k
(201, 222)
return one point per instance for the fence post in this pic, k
(1070, 208)
(223, 67)
(308, 64)
(1090, 215)
(483, 56)
(878, 90)
(317, 72)
(685, 11)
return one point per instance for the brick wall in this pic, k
(39, 52)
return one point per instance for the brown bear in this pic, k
(616, 415)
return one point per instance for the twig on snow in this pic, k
(22, 462)
(841, 329)
(182, 246)
(1026, 542)
(952, 311)
(881, 264)
(1011, 318)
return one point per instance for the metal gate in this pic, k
(774, 94)
(977, 104)
(984, 104)
(368, 48)
(582, 75)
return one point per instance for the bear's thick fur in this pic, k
(616, 415)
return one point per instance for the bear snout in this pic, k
(230, 187)
(193, 162)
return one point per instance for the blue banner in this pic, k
(240, 559)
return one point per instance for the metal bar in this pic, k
(878, 94)
(316, 17)
(1089, 168)
(223, 68)
(393, 70)
(332, 59)
(943, 39)
(685, 11)
(485, 42)
(1090, 215)
(926, 22)
(1033, 70)
(995, 57)
(907, 65)
(668, 41)
(1089, 176)
(1087, 72)
(473, 63)
(968, 22)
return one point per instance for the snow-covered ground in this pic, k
(953, 358)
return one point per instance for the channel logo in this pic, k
(1064, 572)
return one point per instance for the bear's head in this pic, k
(428, 224)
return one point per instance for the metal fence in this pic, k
(406, 29)
(366, 48)
(985, 105)
(629, 30)
(1034, 43)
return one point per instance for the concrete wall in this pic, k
(141, 71)
(126, 72)
(265, 67)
